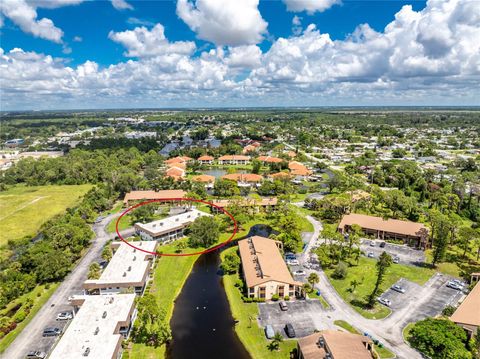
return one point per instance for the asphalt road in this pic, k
(31, 336)
(417, 303)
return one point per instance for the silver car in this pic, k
(269, 332)
(398, 288)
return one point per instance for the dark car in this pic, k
(36, 354)
(51, 332)
(283, 305)
(289, 330)
(382, 245)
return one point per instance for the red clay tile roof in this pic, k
(243, 177)
(280, 175)
(203, 179)
(146, 195)
(269, 159)
(179, 159)
(205, 158)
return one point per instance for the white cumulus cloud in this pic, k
(406, 63)
(121, 5)
(310, 6)
(228, 22)
(141, 42)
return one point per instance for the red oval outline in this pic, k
(235, 228)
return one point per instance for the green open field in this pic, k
(24, 209)
(365, 273)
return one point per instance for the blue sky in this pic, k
(309, 52)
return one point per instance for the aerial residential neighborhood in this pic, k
(212, 179)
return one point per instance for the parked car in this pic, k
(269, 332)
(293, 262)
(36, 354)
(385, 301)
(454, 285)
(283, 306)
(459, 282)
(300, 273)
(398, 288)
(289, 330)
(396, 260)
(64, 316)
(51, 332)
(382, 244)
(372, 244)
(370, 255)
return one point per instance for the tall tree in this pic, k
(384, 261)
(203, 232)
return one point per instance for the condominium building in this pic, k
(467, 314)
(234, 160)
(168, 229)
(98, 328)
(128, 270)
(412, 233)
(167, 195)
(334, 344)
(264, 270)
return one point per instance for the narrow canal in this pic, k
(202, 323)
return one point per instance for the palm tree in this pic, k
(313, 279)
(275, 343)
(354, 284)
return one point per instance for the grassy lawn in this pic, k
(455, 264)
(305, 225)
(313, 295)
(406, 331)
(247, 329)
(365, 273)
(40, 295)
(38, 204)
(382, 352)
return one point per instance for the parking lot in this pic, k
(407, 255)
(300, 314)
(439, 296)
(45, 344)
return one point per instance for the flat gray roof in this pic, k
(92, 328)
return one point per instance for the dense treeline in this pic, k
(50, 256)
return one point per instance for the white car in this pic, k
(385, 301)
(300, 273)
(454, 285)
(293, 262)
(370, 255)
(65, 316)
(396, 260)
